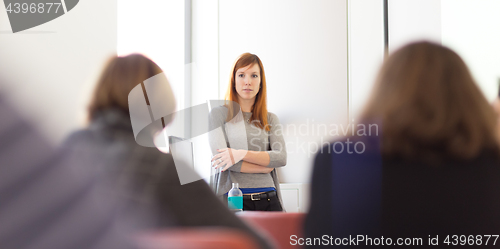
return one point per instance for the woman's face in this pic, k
(247, 82)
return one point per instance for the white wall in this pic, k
(366, 50)
(471, 28)
(204, 69)
(157, 32)
(49, 70)
(205, 45)
(413, 20)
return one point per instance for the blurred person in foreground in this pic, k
(143, 176)
(431, 171)
(46, 205)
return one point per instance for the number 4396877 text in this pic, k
(33, 8)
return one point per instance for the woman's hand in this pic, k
(227, 158)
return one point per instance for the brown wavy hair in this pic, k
(259, 110)
(119, 76)
(430, 107)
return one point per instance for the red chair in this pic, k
(278, 225)
(195, 238)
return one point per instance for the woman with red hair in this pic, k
(252, 168)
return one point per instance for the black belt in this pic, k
(258, 197)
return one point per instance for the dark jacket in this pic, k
(147, 178)
(367, 194)
(43, 204)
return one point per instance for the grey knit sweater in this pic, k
(257, 139)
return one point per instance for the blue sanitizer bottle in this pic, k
(235, 198)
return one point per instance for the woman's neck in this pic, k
(246, 105)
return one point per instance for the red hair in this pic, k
(259, 109)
